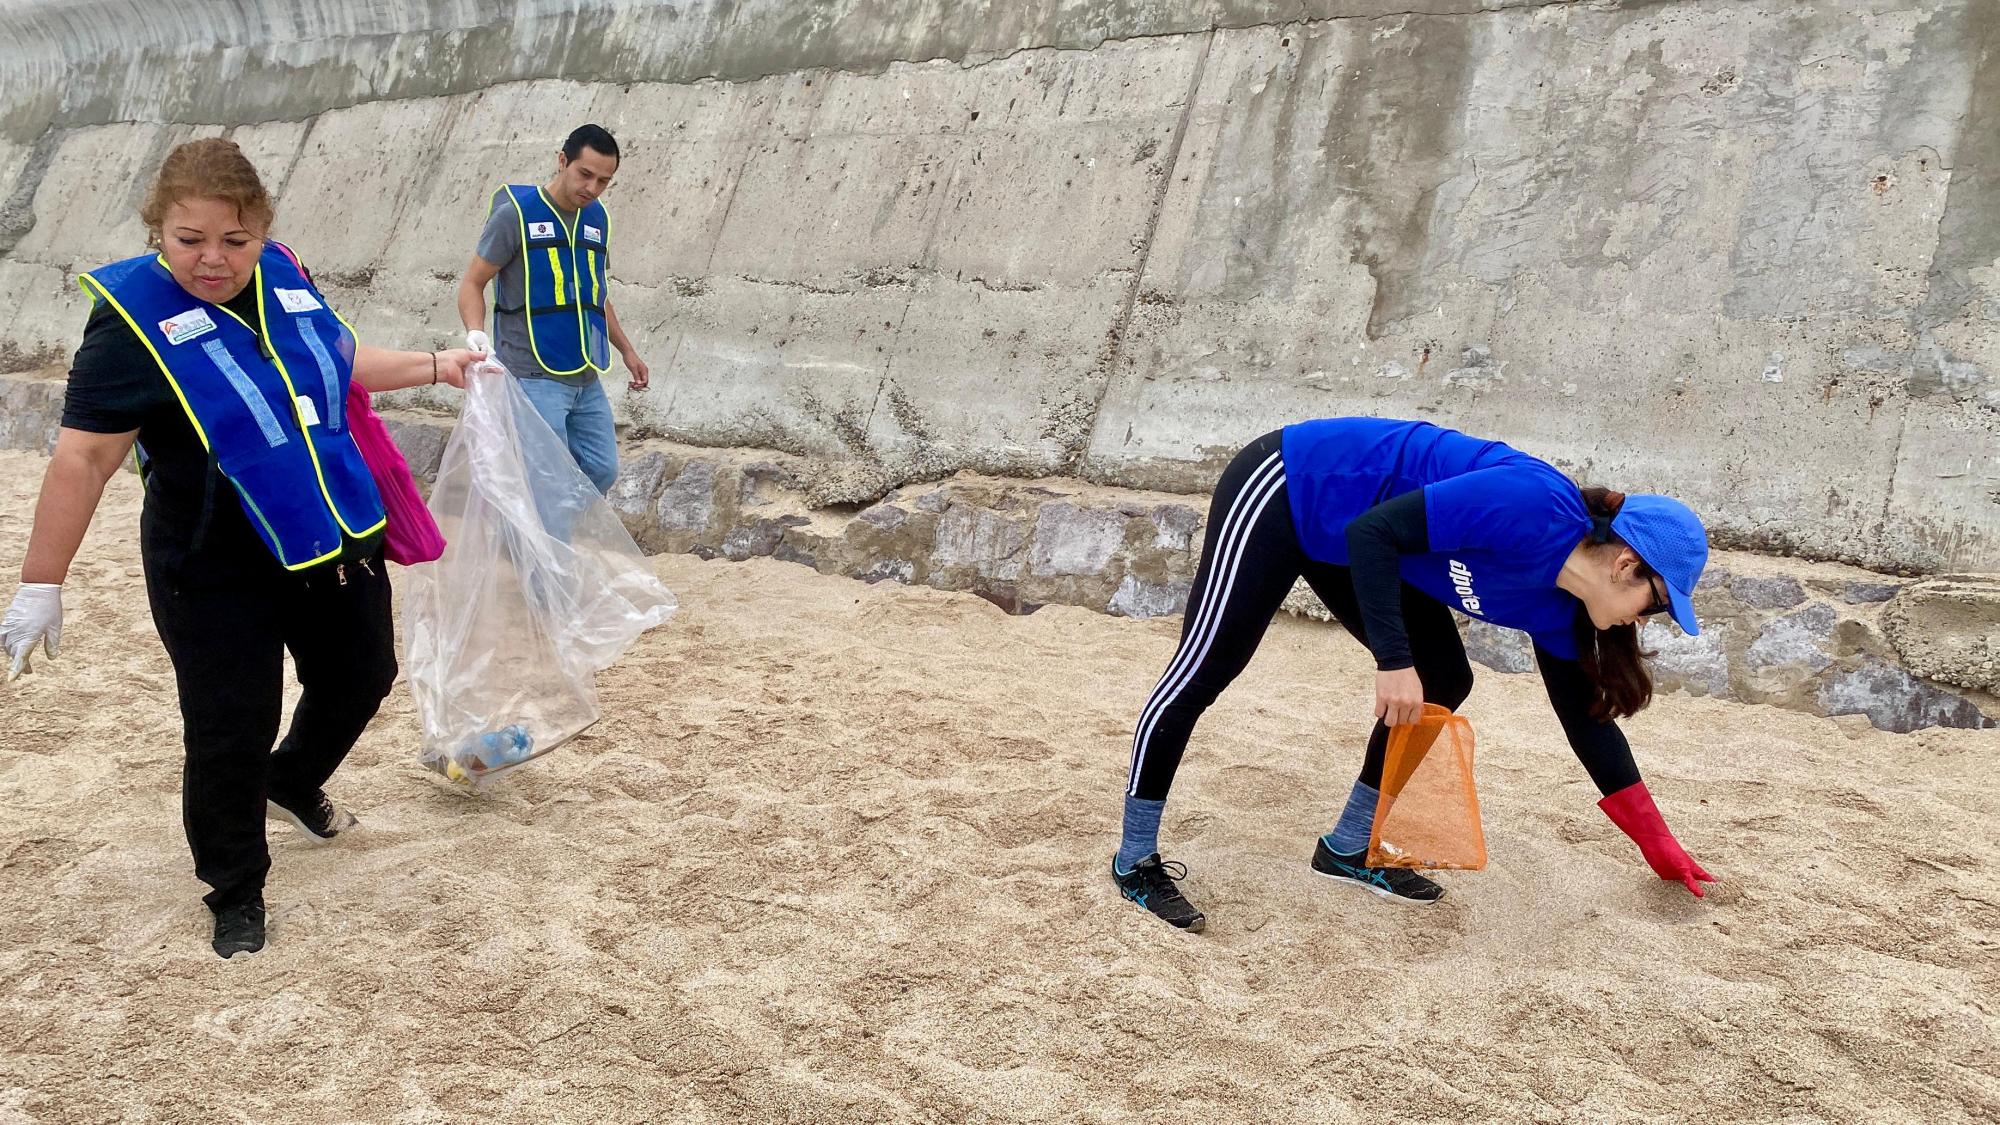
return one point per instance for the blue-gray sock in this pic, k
(1142, 832)
(1356, 821)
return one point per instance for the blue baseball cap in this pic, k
(1669, 536)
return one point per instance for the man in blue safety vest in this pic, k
(553, 325)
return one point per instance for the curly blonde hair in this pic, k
(212, 168)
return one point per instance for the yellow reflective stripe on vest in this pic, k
(527, 282)
(90, 286)
(555, 269)
(596, 293)
(311, 450)
(570, 227)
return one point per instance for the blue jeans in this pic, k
(580, 414)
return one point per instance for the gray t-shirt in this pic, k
(500, 245)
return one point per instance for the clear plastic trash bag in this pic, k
(539, 588)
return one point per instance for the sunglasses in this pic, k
(1660, 603)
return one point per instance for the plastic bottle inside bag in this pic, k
(507, 746)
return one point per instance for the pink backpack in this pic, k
(412, 536)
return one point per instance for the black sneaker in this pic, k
(239, 929)
(1399, 883)
(318, 817)
(1151, 885)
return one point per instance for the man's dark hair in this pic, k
(590, 136)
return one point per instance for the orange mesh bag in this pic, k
(1429, 814)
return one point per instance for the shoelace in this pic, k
(1159, 878)
(319, 814)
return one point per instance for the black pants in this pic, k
(1250, 560)
(227, 632)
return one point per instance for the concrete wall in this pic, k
(1747, 251)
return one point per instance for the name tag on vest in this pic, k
(308, 413)
(592, 234)
(187, 326)
(541, 230)
(297, 300)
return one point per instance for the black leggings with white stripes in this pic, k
(1250, 559)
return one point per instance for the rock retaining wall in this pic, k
(1816, 637)
(1820, 638)
(1823, 638)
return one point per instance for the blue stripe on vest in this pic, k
(329, 378)
(246, 389)
(303, 496)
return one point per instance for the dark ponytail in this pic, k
(1612, 657)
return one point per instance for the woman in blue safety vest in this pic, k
(217, 356)
(1394, 525)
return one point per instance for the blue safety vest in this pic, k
(566, 282)
(275, 422)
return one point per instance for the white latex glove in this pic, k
(477, 341)
(35, 615)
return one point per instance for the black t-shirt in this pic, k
(193, 513)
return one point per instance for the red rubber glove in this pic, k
(1633, 811)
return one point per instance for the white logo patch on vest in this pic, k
(297, 300)
(308, 411)
(186, 326)
(592, 233)
(1461, 584)
(541, 230)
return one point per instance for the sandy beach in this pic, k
(837, 853)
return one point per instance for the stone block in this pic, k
(981, 540)
(885, 516)
(1896, 701)
(1948, 630)
(1797, 640)
(1503, 650)
(894, 570)
(1698, 664)
(763, 480)
(637, 489)
(1302, 602)
(688, 502)
(422, 441)
(758, 537)
(1135, 598)
(1071, 540)
(1869, 593)
(1767, 593)
(1175, 525)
